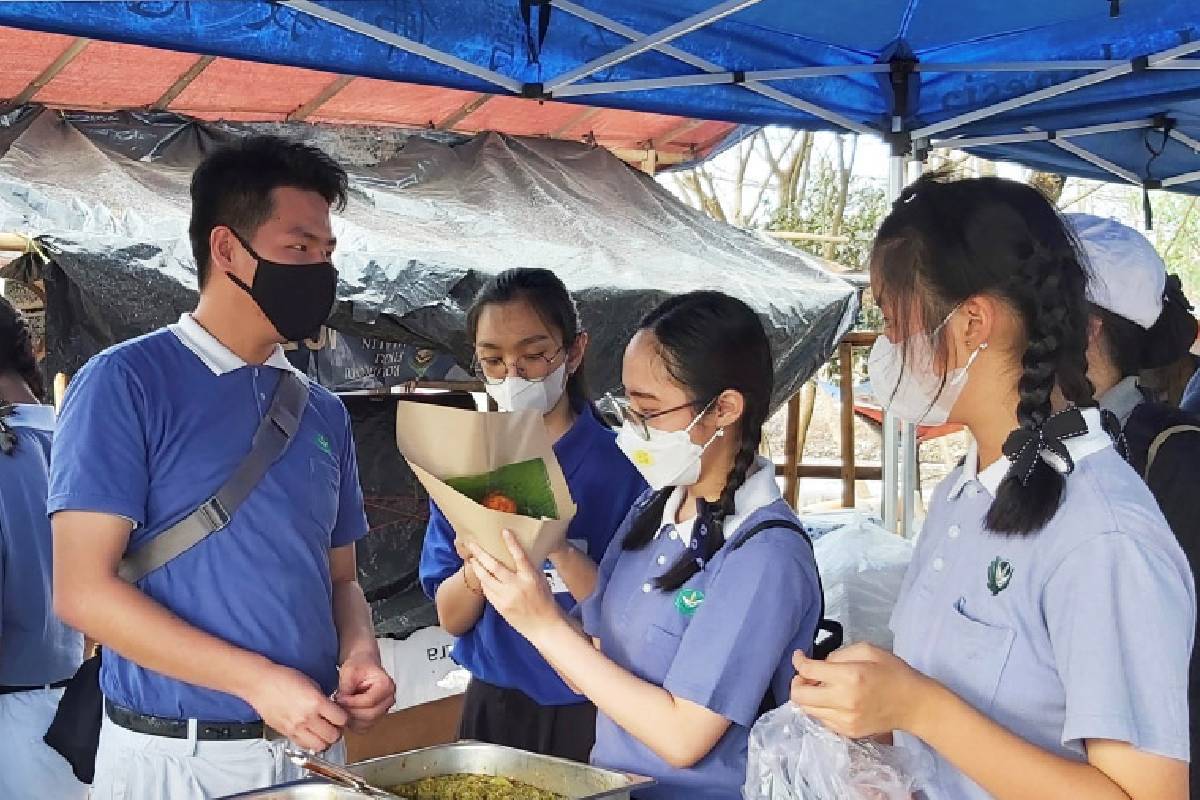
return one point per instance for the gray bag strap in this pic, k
(272, 438)
(1160, 440)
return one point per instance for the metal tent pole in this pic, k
(762, 89)
(639, 46)
(347, 22)
(891, 425)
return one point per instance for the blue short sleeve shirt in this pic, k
(151, 429)
(36, 648)
(1080, 631)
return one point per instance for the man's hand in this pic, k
(365, 691)
(292, 704)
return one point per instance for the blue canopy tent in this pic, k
(1102, 89)
(1094, 88)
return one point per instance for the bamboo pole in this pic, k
(800, 236)
(791, 458)
(846, 352)
(862, 472)
(60, 389)
(13, 243)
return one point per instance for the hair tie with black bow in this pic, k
(1047, 442)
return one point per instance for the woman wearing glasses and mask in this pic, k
(708, 586)
(529, 352)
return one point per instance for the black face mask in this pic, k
(296, 298)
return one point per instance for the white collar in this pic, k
(760, 489)
(31, 416)
(1123, 398)
(1095, 440)
(215, 355)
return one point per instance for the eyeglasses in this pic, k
(620, 408)
(533, 367)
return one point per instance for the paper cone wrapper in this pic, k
(440, 443)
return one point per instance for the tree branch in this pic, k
(1187, 215)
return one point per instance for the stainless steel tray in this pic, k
(575, 781)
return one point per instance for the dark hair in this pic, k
(710, 343)
(16, 348)
(550, 300)
(232, 187)
(1124, 341)
(948, 240)
(1134, 349)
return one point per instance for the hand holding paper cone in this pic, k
(489, 472)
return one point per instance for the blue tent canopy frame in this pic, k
(1099, 89)
(1102, 89)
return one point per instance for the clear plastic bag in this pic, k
(862, 567)
(794, 757)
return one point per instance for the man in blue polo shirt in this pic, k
(263, 621)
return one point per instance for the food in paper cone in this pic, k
(478, 466)
(522, 488)
(498, 501)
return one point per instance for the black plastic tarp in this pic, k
(430, 218)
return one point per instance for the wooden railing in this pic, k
(794, 468)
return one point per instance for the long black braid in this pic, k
(709, 343)
(1055, 356)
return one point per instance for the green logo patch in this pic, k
(323, 443)
(999, 575)
(688, 600)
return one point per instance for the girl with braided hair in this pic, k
(709, 585)
(1043, 631)
(37, 651)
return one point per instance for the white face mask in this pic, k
(668, 458)
(518, 394)
(914, 391)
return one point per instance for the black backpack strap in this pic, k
(822, 646)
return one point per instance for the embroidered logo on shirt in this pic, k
(323, 443)
(999, 575)
(688, 600)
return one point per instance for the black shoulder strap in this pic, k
(834, 633)
(275, 432)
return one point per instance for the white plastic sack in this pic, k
(794, 757)
(419, 665)
(862, 567)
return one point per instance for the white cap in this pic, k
(1128, 275)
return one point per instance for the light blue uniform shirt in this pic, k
(150, 430)
(1080, 631)
(36, 648)
(725, 650)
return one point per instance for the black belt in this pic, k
(178, 728)
(18, 689)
